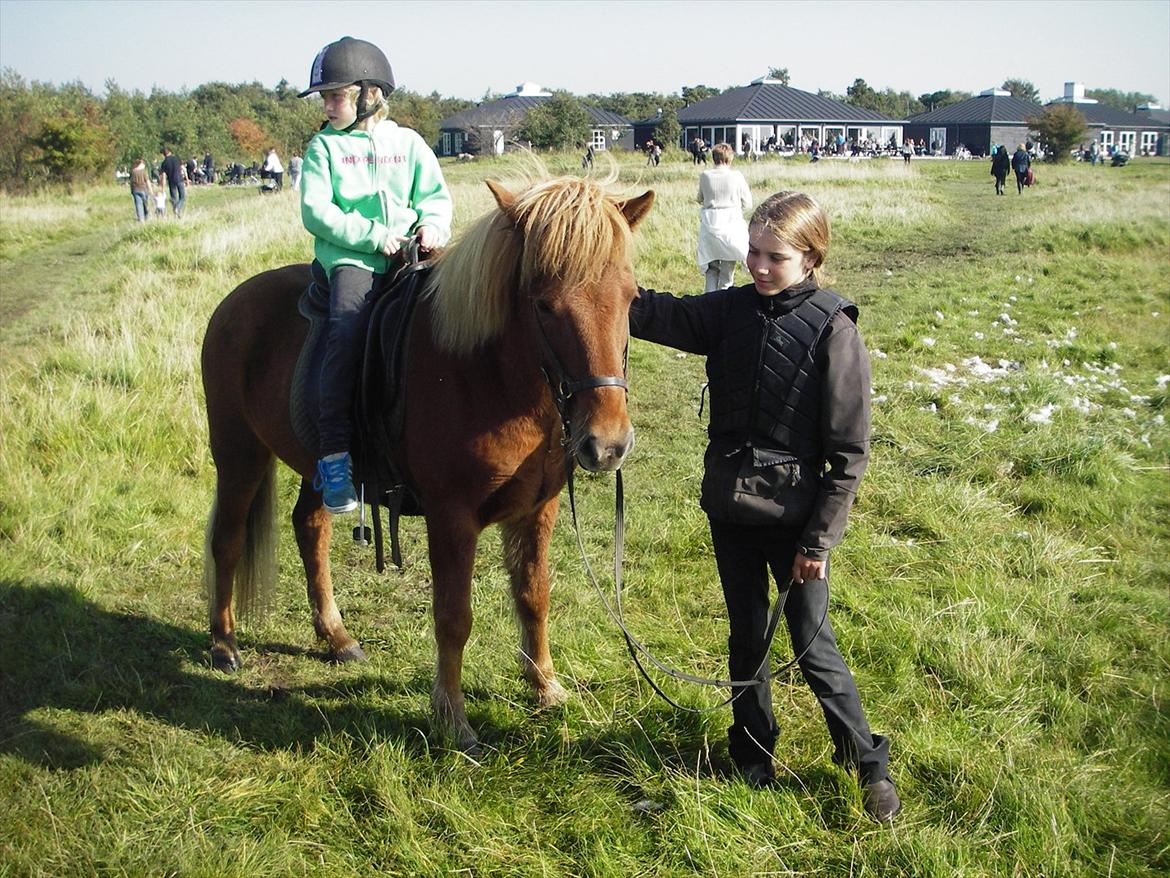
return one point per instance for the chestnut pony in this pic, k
(544, 275)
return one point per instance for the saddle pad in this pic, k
(305, 393)
(379, 398)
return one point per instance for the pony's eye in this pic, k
(543, 307)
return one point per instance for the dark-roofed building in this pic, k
(992, 117)
(1143, 133)
(487, 128)
(769, 109)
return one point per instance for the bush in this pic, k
(1061, 127)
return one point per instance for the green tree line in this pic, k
(64, 134)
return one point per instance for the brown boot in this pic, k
(759, 775)
(881, 800)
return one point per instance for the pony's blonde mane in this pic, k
(563, 229)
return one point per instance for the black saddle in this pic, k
(379, 399)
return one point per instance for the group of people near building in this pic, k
(1002, 163)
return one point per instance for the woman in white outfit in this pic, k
(723, 232)
(274, 168)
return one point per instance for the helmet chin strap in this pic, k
(364, 111)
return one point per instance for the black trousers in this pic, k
(744, 555)
(350, 288)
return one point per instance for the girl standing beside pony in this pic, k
(789, 440)
(366, 184)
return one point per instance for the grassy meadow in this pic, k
(1001, 595)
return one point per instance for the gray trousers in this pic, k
(719, 274)
(349, 295)
(744, 555)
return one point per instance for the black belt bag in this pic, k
(757, 486)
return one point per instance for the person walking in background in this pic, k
(1021, 161)
(723, 233)
(170, 175)
(294, 171)
(789, 437)
(274, 169)
(367, 183)
(141, 190)
(208, 167)
(907, 150)
(1001, 163)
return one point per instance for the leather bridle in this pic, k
(563, 387)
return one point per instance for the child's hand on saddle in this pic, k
(428, 237)
(393, 245)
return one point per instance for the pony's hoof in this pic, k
(225, 660)
(552, 695)
(471, 748)
(349, 654)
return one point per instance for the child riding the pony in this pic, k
(367, 186)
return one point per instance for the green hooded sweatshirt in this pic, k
(359, 188)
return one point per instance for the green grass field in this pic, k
(1001, 595)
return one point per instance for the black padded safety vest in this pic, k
(764, 383)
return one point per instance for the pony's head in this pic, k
(552, 263)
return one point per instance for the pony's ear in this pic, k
(635, 209)
(504, 198)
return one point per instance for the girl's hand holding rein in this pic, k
(804, 568)
(393, 245)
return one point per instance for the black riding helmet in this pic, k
(351, 62)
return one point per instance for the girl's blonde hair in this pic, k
(722, 154)
(374, 98)
(801, 223)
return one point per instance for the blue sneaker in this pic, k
(334, 480)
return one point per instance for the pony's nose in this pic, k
(603, 456)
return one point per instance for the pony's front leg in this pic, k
(526, 559)
(451, 546)
(314, 526)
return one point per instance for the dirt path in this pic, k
(45, 280)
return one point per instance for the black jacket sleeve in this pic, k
(688, 323)
(845, 415)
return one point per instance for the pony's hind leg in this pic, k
(314, 526)
(526, 559)
(239, 549)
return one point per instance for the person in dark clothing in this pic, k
(789, 380)
(1021, 161)
(170, 174)
(1001, 163)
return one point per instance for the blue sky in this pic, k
(463, 49)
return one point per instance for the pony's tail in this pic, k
(255, 579)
